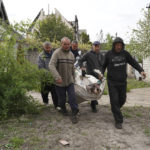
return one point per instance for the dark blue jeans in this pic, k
(61, 93)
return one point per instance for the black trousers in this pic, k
(45, 89)
(94, 103)
(61, 92)
(117, 94)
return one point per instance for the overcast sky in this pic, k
(109, 15)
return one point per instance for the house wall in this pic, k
(146, 67)
(130, 71)
(32, 56)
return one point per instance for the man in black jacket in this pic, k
(94, 60)
(74, 49)
(116, 63)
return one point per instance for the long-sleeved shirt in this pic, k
(44, 59)
(116, 64)
(62, 67)
(93, 61)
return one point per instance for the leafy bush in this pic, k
(17, 76)
(85, 47)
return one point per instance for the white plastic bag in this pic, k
(82, 84)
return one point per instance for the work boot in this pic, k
(74, 116)
(63, 110)
(118, 125)
(74, 119)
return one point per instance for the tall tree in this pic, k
(52, 28)
(108, 42)
(84, 37)
(140, 39)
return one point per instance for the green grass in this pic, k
(126, 114)
(139, 114)
(146, 130)
(2, 135)
(131, 84)
(134, 84)
(15, 143)
(35, 140)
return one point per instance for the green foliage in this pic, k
(126, 114)
(134, 84)
(84, 38)
(22, 27)
(108, 42)
(24, 36)
(84, 47)
(17, 77)
(52, 29)
(131, 84)
(2, 135)
(56, 44)
(15, 142)
(140, 39)
(33, 40)
(147, 131)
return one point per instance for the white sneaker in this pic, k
(46, 104)
(58, 108)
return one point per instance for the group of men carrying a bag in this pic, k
(60, 63)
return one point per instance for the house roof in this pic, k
(34, 21)
(3, 13)
(58, 14)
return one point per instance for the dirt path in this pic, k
(93, 132)
(137, 97)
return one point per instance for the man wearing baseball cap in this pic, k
(94, 60)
